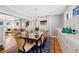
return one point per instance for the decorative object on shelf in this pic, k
(36, 30)
(74, 32)
(68, 30)
(67, 17)
(63, 30)
(76, 11)
(36, 35)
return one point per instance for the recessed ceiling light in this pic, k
(35, 9)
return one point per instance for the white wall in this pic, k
(73, 21)
(53, 23)
(67, 22)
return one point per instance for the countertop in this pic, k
(73, 37)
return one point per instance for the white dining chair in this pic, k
(22, 47)
(28, 46)
(10, 44)
(42, 40)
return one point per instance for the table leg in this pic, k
(24, 44)
(40, 46)
(36, 47)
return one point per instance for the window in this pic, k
(76, 11)
(1, 22)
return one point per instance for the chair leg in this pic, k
(40, 50)
(20, 51)
(34, 49)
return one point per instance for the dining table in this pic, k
(34, 37)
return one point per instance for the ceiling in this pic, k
(33, 10)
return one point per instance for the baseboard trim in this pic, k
(55, 37)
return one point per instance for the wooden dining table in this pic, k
(34, 37)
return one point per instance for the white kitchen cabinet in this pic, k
(69, 43)
(74, 47)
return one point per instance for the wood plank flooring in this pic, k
(57, 48)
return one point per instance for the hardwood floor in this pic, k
(57, 48)
(1, 48)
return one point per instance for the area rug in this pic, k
(47, 47)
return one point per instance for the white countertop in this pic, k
(73, 37)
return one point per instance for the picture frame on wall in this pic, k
(17, 22)
(1, 22)
(8, 23)
(76, 11)
(44, 22)
(27, 24)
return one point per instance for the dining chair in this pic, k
(20, 43)
(44, 47)
(29, 46)
(10, 45)
(42, 39)
(41, 43)
(23, 46)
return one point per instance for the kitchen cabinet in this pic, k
(69, 42)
